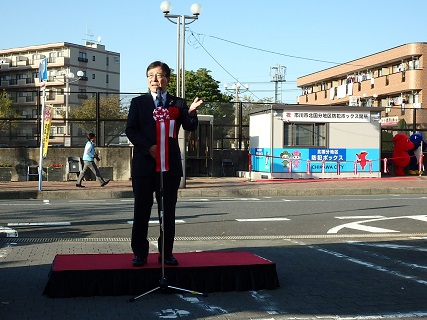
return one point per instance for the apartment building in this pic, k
(394, 79)
(75, 72)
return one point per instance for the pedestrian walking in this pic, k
(89, 156)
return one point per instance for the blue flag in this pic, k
(43, 70)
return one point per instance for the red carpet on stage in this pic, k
(82, 275)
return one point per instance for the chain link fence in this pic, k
(105, 114)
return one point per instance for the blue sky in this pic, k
(236, 40)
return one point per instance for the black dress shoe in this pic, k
(79, 186)
(105, 183)
(170, 261)
(139, 261)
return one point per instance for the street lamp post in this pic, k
(237, 89)
(180, 21)
(68, 78)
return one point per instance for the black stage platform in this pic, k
(83, 275)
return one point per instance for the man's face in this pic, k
(156, 78)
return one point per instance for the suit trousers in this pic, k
(143, 189)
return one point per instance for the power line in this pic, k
(200, 44)
(276, 53)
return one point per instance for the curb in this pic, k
(207, 193)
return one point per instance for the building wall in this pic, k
(361, 135)
(100, 64)
(260, 131)
(18, 74)
(389, 83)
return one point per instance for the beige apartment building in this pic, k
(75, 72)
(395, 79)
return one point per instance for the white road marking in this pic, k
(357, 225)
(240, 199)
(262, 219)
(199, 303)
(400, 315)
(87, 201)
(32, 224)
(372, 266)
(364, 263)
(172, 314)
(266, 302)
(359, 217)
(10, 233)
(156, 221)
(333, 199)
(421, 217)
(388, 245)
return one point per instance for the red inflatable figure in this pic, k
(361, 159)
(401, 159)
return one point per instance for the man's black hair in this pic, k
(164, 66)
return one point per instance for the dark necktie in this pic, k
(159, 99)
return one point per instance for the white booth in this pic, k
(312, 142)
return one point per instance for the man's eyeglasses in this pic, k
(157, 75)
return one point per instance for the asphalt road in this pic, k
(215, 217)
(347, 257)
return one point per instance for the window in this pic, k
(82, 94)
(106, 78)
(414, 63)
(93, 76)
(107, 61)
(58, 112)
(93, 58)
(84, 77)
(82, 57)
(304, 134)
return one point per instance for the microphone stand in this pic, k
(163, 283)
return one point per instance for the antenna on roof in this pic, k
(89, 38)
(278, 73)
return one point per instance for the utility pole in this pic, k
(237, 89)
(278, 76)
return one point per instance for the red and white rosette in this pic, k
(161, 115)
(173, 115)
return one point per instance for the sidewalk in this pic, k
(208, 187)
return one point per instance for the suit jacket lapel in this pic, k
(170, 100)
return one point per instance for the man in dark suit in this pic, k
(143, 131)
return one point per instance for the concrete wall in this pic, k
(20, 158)
(118, 158)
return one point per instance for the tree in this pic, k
(6, 111)
(110, 110)
(201, 84)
